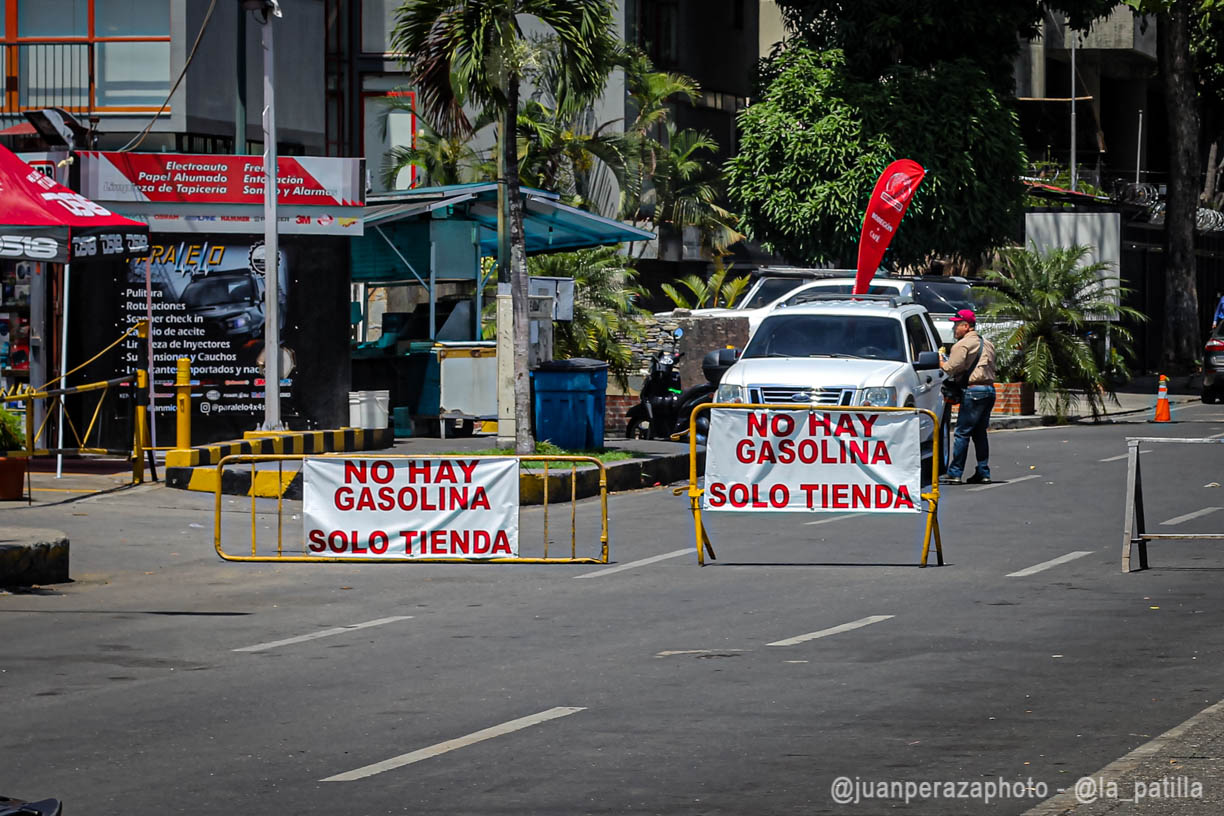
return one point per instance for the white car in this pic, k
(875, 351)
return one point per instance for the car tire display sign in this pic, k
(411, 509)
(813, 461)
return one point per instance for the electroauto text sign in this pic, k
(411, 508)
(812, 461)
(212, 179)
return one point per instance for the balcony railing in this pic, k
(49, 74)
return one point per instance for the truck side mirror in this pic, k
(926, 360)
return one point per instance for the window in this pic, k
(919, 341)
(131, 18)
(54, 43)
(53, 18)
(377, 22)
(388, 126)
(132, 74)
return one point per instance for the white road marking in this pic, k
(845, 627)
(1002, 484)
(450, 745)
(1216, 436)
(832, 519)
(1120, 456)
(632, 564)
(322, 633)
(1206, 511)
(674, 652)
(1053, 562)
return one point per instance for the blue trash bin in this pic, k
(570, 398)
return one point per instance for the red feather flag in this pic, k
(891, 196)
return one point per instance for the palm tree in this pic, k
(442, 159)
(1049, 300)
(605, 306)
(684, 191)
(475, 50)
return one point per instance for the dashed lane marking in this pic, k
(1120, 457)
(1045, 565)
(835, 630)
(339, 630)
(1206, 511)
(634, 564)
(451, 745)
(832, 519)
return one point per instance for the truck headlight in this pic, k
(237, 323)
(730, 393)
(880, 397)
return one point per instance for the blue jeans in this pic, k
(972, 423)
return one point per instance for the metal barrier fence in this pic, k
(1134, 532)
(137, 384)
(695, 491)
(547, 483)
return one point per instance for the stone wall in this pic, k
(701, 335)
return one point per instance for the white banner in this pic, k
(808, 460)
(411, 508)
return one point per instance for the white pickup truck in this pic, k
(876, 350)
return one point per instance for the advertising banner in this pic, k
(208, 305)
(218, 179)
(891, 196)
(411, 508)
(812, 461)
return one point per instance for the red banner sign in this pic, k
(212, 179)
(891, 196)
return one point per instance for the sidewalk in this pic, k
(1177, 773)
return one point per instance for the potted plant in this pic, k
(1053, 305)
(12, 468)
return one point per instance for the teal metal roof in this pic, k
(550, 226)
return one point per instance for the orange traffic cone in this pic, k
(1162, 401)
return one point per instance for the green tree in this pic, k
(1049, 300)
(605, 306)
(684, 190)
(814, 144)
(476, 51)
(879, 35)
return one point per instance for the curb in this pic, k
(629, 474)
(31, 556)
(276, 442)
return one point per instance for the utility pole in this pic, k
(268, 9)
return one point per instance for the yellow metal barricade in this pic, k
(695, 491)
(556, 476)
(53, 399)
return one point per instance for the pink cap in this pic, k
(965, 315)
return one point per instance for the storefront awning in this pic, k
(550, 226)
(42, 220)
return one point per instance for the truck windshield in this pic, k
(821, 335)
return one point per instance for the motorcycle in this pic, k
(713, 366)
(655, 416)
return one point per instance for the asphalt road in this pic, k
(164, 680)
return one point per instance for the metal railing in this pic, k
(1134, 531)
(541, 481)
(696, 491)
(49, 74)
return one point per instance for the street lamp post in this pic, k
(272, 419)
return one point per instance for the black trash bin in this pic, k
(570, 399)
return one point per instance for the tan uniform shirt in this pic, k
(963, 351)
